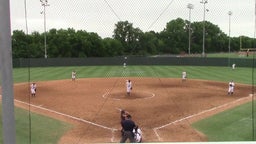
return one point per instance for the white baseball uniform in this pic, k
(231, 86)
(137, 135)
(128, 86)
(73, 75)
(33, 89)
(184, 75)
(233, 66)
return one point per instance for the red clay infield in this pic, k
(164, 108)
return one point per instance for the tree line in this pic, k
(127, 40)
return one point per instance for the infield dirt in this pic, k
(164, 108)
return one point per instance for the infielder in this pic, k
(231, 86)
(128, 87)
(184, 76)
(73, 75)
(33, 89)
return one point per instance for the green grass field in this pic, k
(224, 74)
(231, 125)
(240, 75)
(44, 130)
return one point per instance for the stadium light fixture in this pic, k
(229, 13)
(44, 4)
(189, 6)
(204, 2)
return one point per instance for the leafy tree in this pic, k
(96, 45)
(150, 43)
(62, 44)
(81, 43)
(112, 47)
(128, 36)
(215, 39)
(175, 36)
(35, 45)
(247, 42)
(126, 40)
(19, 44)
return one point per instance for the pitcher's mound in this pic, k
(133, 95)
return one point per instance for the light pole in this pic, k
(44, 4)
(229, 13)
(189, 6)
(204, 2)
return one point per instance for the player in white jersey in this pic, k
(73, 75)
(184, 76)
(33, 89)
(231, 86)
(233, 66)
(128, 87)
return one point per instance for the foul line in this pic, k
(72, 117)
(194, 115)
(69, 116)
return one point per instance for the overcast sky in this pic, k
(100, 16)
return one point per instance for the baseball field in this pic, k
(164, 107)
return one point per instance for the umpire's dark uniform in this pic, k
(128, 126)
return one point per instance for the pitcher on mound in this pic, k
(128, 87)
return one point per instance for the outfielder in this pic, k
(128, 87)
(231, 86)
(233, 66)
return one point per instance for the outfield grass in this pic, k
(224, 74)
(44, 130)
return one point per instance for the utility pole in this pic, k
(203, 51)
(189, 6)
(8, 121)
(44, 4)
(229, 13)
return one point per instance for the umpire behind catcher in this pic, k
(128, 125)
